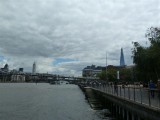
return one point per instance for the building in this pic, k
(34, 68)
(20, 69)
(5, 68)
(91, 71)
(18, 78)
(122, 62)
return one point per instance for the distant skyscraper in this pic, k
(122, 63)
(34, 68)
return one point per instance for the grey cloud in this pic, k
(84, 30)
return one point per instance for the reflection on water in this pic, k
(28, 101)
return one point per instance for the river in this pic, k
(42, 101)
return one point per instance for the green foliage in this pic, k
(102, 75)
(112, 74)
(124, 74)
(147, 59)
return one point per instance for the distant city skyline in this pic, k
(64, 36)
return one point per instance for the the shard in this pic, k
(122, 62)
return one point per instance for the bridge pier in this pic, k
(127, 113)
(133, 116)
(119, 112)
(123, 113)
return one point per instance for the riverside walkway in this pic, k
(133, 93)
(133, 100)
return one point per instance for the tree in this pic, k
(147, 59)
(102, 75)
(125, 74)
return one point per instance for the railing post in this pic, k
(134, 92)
(124, 92)
(159, 97)
(149, 98)
(129, 92)
(141, 94)
(120, 91)
(105, 88)
(117, 90)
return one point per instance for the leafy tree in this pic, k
(112, 74)
(102, 75)
(147, 59)
(124, 73)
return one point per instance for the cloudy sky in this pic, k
(64, 36)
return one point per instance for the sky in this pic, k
(64, 36)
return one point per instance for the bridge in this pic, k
(38, 77)
(126, 102)
(45, 77)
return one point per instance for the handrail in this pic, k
(145, 96)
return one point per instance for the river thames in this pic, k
(42, 101)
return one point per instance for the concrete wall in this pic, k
(129, 110)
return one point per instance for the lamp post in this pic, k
(117, 75)
(106, 69)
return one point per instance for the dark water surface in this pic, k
(28, 101)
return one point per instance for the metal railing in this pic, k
(145, 96)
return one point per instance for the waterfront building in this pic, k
(18, 78)
(122, 62)
(91, 71)
(34, 68)
(5, 68)
(14, 71)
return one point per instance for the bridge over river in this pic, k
(127, 102)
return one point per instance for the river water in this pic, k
(42, 101)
